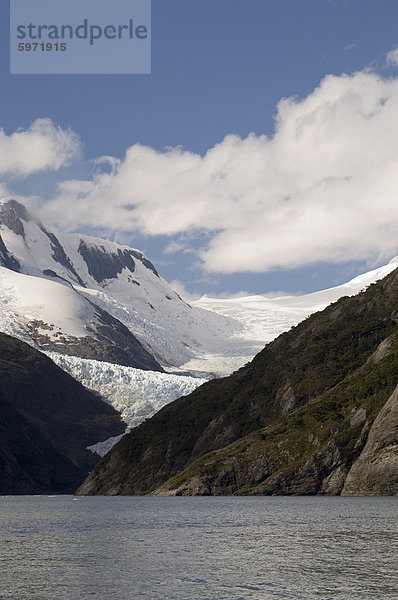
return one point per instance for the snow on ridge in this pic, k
(212, 336)
(94, 242)
(134, 393)
(168, 328)
(266, 318)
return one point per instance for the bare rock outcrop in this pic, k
(375, 472)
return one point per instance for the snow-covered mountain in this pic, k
(137, 395)
(52, 315)
(87, 278)
(90, 299)
(83, 296)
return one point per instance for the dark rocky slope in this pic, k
(311, 395)
(47, 419)
(29, 464)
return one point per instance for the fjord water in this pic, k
(198, 548)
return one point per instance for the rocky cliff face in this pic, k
(47, 420)
(375, 472)
(296, 420)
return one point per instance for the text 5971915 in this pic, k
(42, 47)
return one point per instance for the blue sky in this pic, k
(219, 67)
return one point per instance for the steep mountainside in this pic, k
(47, 421)
(339, 366)
(344, 442)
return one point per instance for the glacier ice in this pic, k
(136, 394)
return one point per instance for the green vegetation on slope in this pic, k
(297, 368)
(308, 451)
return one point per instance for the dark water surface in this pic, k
(198, 548)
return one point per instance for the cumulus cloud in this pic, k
(44, 146)
(392, 57)
(322, 188)
(173, 247)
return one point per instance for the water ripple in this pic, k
(133, 548)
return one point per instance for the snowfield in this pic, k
(172, 331)
(263, 319)
(57, 308)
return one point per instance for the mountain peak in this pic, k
(85, 271)
(12, 213)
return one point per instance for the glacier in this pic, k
(135, 393)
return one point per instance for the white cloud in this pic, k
(173, 247)
(392, 57)
(323, 188)
(44, 146)
(6, 194)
